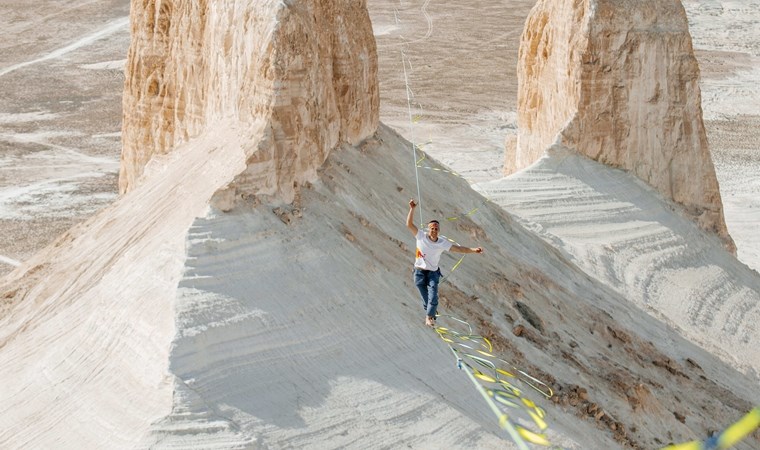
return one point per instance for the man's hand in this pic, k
(412, 203)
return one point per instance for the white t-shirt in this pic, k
(428, 252)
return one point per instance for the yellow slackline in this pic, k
(510, 396)
(495, 385)
(435, 169)
(728, 437)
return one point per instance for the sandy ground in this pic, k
(727, 38)
(461, 61)
(61, 77)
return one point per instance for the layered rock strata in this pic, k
(308, 68)
(617, 80)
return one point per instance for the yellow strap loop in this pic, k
(533, 438)
(729, 437)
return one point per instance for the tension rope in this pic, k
(409, 94)
(474, 353)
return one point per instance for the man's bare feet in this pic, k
(430, 321)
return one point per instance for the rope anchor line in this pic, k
(498, 390)
(409, 94)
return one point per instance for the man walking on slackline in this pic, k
(430, 246)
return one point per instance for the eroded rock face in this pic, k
(617, 80)
(307, 68)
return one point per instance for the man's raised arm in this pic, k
(410, 219)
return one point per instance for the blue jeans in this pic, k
(427, 283)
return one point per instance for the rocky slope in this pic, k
(166, 323)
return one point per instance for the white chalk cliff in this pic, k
(617, 81)
(308, 69)
(251, 288)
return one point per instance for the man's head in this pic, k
(433, 228)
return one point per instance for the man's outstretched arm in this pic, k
(458, 249)
(409, 219)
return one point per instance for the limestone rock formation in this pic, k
(617, 80)
(308, 69)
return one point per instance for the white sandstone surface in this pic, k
(101, 366)
(296, 325)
